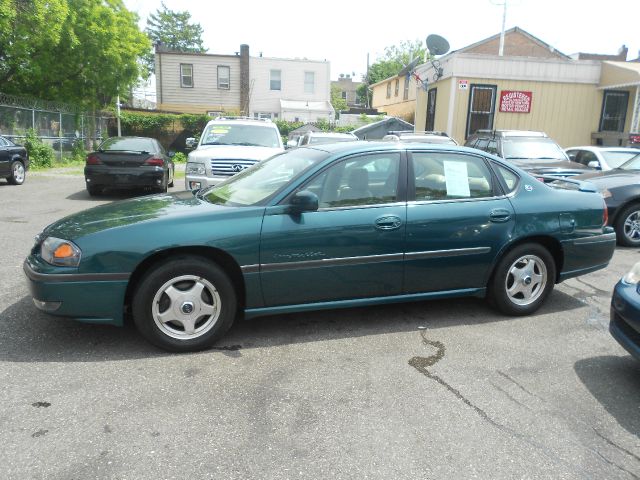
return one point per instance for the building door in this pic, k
(614, 111)
(482, 102)
(431, 109)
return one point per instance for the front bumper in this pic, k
(92, 298)
(624, 322)
(194, 182)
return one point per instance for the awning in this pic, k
(616, 75)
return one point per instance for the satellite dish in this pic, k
(409, 68)
(437, 45)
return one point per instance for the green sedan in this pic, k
(332, 226)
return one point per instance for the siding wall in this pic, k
(263, 99)
(205, 94)
(395, 105)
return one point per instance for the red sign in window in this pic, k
(515, 101)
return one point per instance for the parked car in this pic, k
(424, 137)
(624, 324)
(620, 188)
(65, 143)
(534, 152)
(129, 163)
(601, 158)
(334, 226)
(227, 146)
(317, 138)
(14, 162)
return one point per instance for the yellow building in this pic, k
(531, 87)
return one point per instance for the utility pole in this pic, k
(504, 21)
(118, 114)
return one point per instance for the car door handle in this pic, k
(499, 215)
(388, 222)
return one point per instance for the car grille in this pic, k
(229, 167)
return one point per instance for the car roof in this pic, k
(604, 149)
(331, 134)
(511, 133)
(379, 145)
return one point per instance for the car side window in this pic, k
(370, 179)
(587, 157)
(450, 176)
(492, 147)
(482, 144)
(573, 155)
(3, 143)
(509, 178)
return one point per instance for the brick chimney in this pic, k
(244, 79)
(622, 53)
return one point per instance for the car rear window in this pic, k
(128, 144)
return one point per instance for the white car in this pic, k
(601, 158)
(227, 146)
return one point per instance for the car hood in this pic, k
(208, 152)
(551, 166)
(612, 178)
(129, 212)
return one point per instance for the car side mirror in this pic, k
(304, 201)
(594, 164)
(171, 154)
(190, 142)
(292, 143)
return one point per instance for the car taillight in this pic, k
(605, 214)
(634, 138)
(155, 162)
(93, 160)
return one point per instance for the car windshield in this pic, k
(633, 164)
(330, 139)
(616, 159)
(533, 148)
(127, 145)
(254, 185)
(237, 134)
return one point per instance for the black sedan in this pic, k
(129, 163)
(620, 188)
(14, 162)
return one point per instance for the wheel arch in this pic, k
(552, 245)
(220, 257)
(623, 206)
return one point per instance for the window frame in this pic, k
(491, 113)
(431, 118)
(623, 117)
(272, 80)
(405, 92)
(396, 89)
(183, 76)
(220, 85)
(388, 89)
(313, 82)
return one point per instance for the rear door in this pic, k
(457, 221)
(5, 158)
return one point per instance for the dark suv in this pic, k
(14, 162)
(534, 152)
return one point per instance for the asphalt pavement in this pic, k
(432, 390)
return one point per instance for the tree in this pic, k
(82, 52)
(174, 31)
(339, 104)
(394, 59)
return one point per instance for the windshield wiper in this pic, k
(245, 144)
(517, 158)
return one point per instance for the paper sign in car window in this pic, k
(457, 179)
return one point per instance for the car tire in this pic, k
(184, 305)
(627, 226)
(93, 191)
(522, 280)
(18, 173)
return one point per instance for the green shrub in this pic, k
(180, 157)
(40, 155)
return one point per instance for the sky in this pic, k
(344, 32)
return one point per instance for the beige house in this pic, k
(531, 87)
(396, 97)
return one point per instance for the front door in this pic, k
(457, 221)
(351, 247)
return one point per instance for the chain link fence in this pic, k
(58, 125)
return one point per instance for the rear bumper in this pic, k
(624, 322)
(84, 297)
(587, 254)
(124, 178)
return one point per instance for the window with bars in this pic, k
(482, 103)
(614, 110)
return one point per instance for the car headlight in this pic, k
(633, 277)
(195, 169)
(606, 193)
(57, 251)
